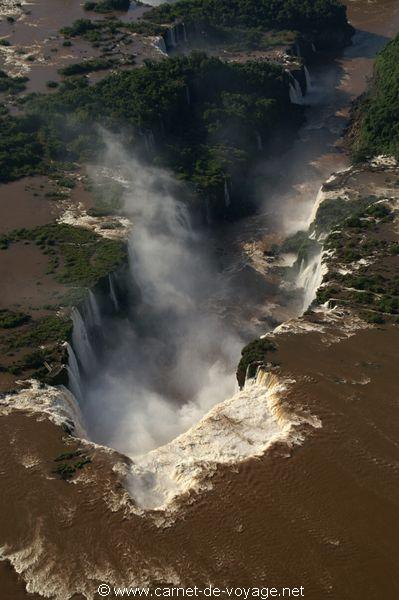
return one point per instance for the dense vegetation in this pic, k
(67, 469)
(10, 319)
(86, 66)
(305, 15)
(96, 31)
(12, 85)
(105, 6)
(197, 115)
(373, 287)
(376, 126)
(21, 147)
(77, 257)
(252, 356)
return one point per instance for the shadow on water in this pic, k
(366, 44)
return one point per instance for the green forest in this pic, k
(204, 118)
(376, 117)
(305, 16)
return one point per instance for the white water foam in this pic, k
(245, 426)
(56, 403)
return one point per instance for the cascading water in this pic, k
(309, 278)
(208, 212)
(81, 343)
(149, 140)
(259, 141)
(112, 292)
(74, 374)
(94, 310)
(227, 199)
(295, 91)
(142, 391)
(161, 45)
(184, 33)
(308, 80)
(171, 38)
(188, 97)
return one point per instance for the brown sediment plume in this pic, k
(322, 515)
(317, 506)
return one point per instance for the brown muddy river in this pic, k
(324, 518)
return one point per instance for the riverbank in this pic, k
(285, 470)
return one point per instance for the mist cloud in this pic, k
(175, 358)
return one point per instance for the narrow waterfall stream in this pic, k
(145, 372)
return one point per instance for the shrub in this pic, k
(10, 319)
(89, 5)
(374, 319)
(87, 66)
(254, 353)
(105, 6)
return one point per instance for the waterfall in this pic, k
(188, 95)
(227, 199)
(319, 199)
(259, 141)
(149, 140)
(310, 278)
(184, 33)
(314, 47)
(296, 95)
(81, 342)
(161, 45)
(171, 37)
(112, 292)
(208, 212)
(74, 373)
(308, 80)
(94, 310)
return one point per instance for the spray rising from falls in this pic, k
(165, 364)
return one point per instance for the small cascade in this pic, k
(175, 36)
(308, 80)
(314, 47)
(112, 292)
(208, 212)
(188, 96)
(81, 342)
(74, 373)
(149, 140)
(171, 37)
(315, 207)
(94, 310)
(161, 45)
(310, 278)
(162, 124)
(227, 199)
(259, 141)
(185, 37)
(296, 95)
